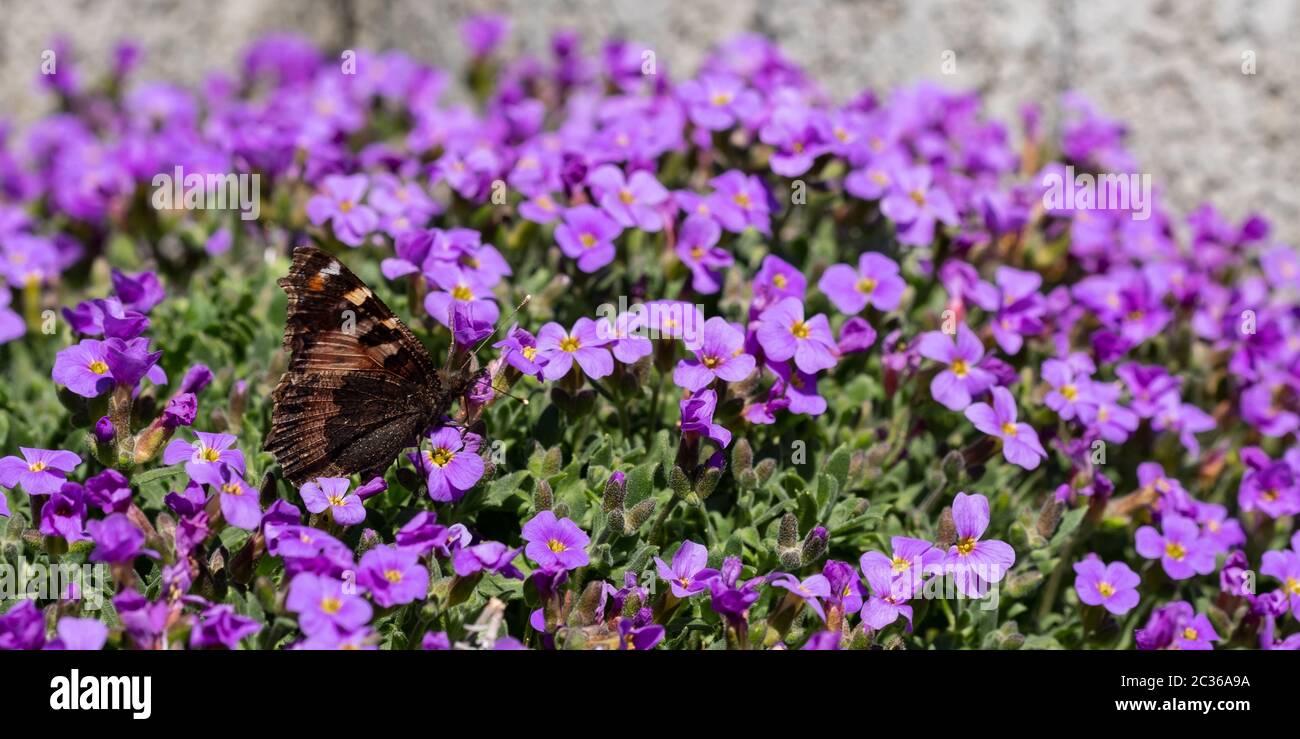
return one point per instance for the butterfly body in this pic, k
(360, 387)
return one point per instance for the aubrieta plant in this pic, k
(799, 373)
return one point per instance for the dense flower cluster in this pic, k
(964, 395)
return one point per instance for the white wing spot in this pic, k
(331, 269)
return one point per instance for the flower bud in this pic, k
(1048, 517)
(708, 482)
(1023, 584)
(631, 605)
(552, 462)
(104, 430)
(614, 520)
(615, 491)
(814, 545)
(680, 484)
(369, 540)
(954, 465)
(947, 535)
(787, 536)
(543, 496)
(585, 613)
(764, 469)
(640, 513)
(790, 559)
(742, 456)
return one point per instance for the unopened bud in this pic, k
(861, 506)
(814, 545)
(1023, 584)
(615, 491)
(369, 540)
(1048, 517)
(543, 496)
(788, 535)
(561, 509)
(742, 456)
(708, 482)
(947, 535)
(640, 513)
(679, 482)
(764, 469)
(585, 613)
(615, 520)
(552, 461)
(954, 465)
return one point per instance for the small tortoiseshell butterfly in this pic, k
(357, 392)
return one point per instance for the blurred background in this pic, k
(1171, 69)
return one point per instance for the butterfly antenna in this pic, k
(489, 337)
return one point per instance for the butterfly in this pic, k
(360, 387)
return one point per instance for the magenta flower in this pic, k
(689, 573)
(628, 334)
(1016, 306)
(64, 513)
(740, 201)
(587, 235)
(916, 206)
(697, 417)
(451, 465)
(975, 563)
(963, 379)
(1112, 421)
(117, 540)
(776, 280)
(239, 504)
(1180, 548)
(720, 356)
(1112, 586)
(634, 201)
(83, 368)
(555, 544)
(1223, 532)
(698, 250)
(719, 101)
(219, 626)
(875, 282)
(393, 576)
(810, 589)
(890, 592)
(340, 202)
(1070, 388)
(459, 288)
(783, 333)
(331, 493)
(584, 345)
(634, 636)
(1285, 567)
(325, 606)
(39, 472)
(131, 361)
(519, 348)
(1020, 443)
(205, 457)
(484, 32)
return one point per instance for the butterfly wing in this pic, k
(359, 387)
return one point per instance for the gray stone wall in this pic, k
(1171, 68)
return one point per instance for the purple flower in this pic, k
(1112, 421)
(963, 379)
(1020, 443)
(810, 589)
(889, 592)
(130, 361)
(393, 576)
(22, 627)
(783, 333)
(794, 131)
(916, 206)
(1223, 532)
(729, 596)
(740, 201)
(332, 493)
(718, 101)
(64, 513)
(39, 472)
(1176, 626)
(205, 457)
(697, 417)
(697, 248)
(138, 292)
(460, 290)
(973, 562)
(1268, 486)
(239, 504)
(1180, 548)
(587, 235)
(584, 344)
(634, 201)
(1016, 306)
(555, 544)
(83, 369)
(110, 491)
(875, 282)
(1070, 389)
(631, 636)
(689, 573)
(219, 626)
(340, 202)
(325, 605)
(720, 356)
(451, 465)
(1285, 566)
(80, 634)
(483, 33)
(492, 556)
(117, 540)
(1112, 586)
(776, 280)
(520, 351)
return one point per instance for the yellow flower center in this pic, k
(98, 367)
(966, 546)
(1106, 589)
(626, 196)
(685, 582)
(587, 240)
(1270, 495)
(712, 362)
(392, 576)
(697, 252)
(1190, 634)
(346, 206)
(330, 604)
(209, 454)
(1009, 429)
(918, 197)
(530, 352)
(336, 500)
(545, 203)
(901, 565)
(1293, 586)
(959, 367)
(779, 281)
(797, 147)
(231, 488)
(570, 344)
(557, 546)
(866, 285)
(720, 98)
(1103, 413)
(742, 200)
(440, 456)
(36, 467)
(1069, 392)
(462, 293)
(800, 330)
(1175, 550)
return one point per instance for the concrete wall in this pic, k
(1171, 68)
